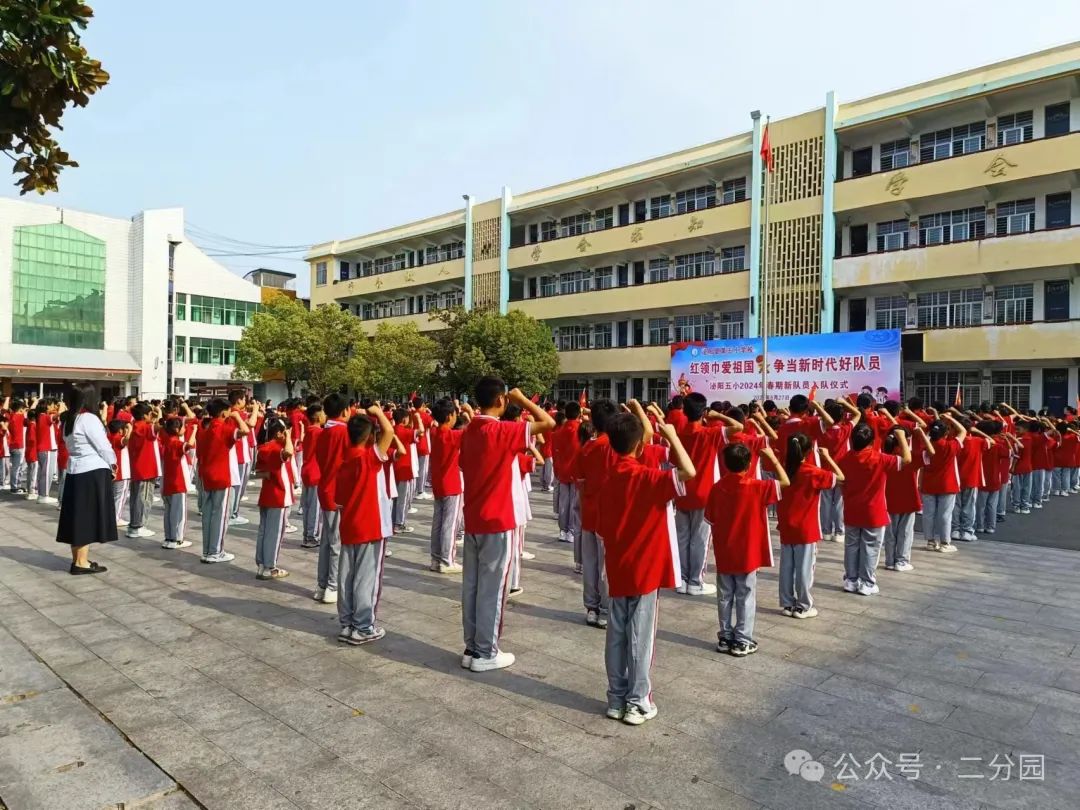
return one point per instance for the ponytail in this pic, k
(798, 445)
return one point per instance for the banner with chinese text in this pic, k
(836, 364)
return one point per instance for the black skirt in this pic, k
(87, 514)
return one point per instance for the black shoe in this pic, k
(743, 648)
(309, 543)
(93, 568)
(1000, 518)
(723, 644)
(516, 591)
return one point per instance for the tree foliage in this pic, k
(43, 70)
(270, 342)
(401, 360)
(336, 349)
(514, 346)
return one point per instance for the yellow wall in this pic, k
(423, 322)
(403, 280)
(640, 360)
(1034, 341)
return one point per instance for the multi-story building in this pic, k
(129, 303)
(945, 209)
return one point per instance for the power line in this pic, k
(205, 234)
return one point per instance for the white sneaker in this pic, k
(358, 637)
(122, 523)
(681, 588)
(244, 499)
(528, 555)
(947, 548)
(33, 496)
(343, 636)
(592, 618)
(838, 538)
(290, 529)
(613, 713)
(704, 589)
(931, 545)
(808, 613)
(904, 566)
(239, 520)
(329, 597)
(466, 660)
(866, 589)
(956, 535)
(969, 537)
(577, 568)
(562, 537)
(413, 510)
(220, 557)
(452, 568)
(635, 716)
(47, 499)
(176, 544)
(389, 552)
(501, 660)
(851, 585)
(318, 595)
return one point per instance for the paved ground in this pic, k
(170, 684)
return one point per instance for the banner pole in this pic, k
(763, 308)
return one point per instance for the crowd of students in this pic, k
(641, 494)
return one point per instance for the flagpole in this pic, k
(762, 305)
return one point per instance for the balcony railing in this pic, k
(558, 293)
(984, 238)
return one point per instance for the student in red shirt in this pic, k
(837, 440)
(174, 483)
(423, 450)
(941, 482)
(251, 413)
(564, 448)
(119, 433)
(5, 450)
(800, 420)
(675, 415)
(145, 467)
(409, 429)
(47, 441)
(737, 513)
(1068, 454)
(635, 528)
(970, 466)
(362, 526)
(1042, 462)
(218, 470)
(902, 496)
(31, 455)
(865, 511)
(329, 452)
(593, 461)
(311, 427)
(526, 465)
(273, 464)
(986, 503)
(547, 471)
(62, 457)
(446, 486)
(799, 523)
(492, 511)
(17, 445)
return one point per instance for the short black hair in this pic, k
(676, 402)
(216, 407)
(236, 395)
(602, 412)
(359, 427)
(800, 403)
(511, 413)
(487, 390)
(736, 457)
(694, 406)
(862, 436)
(274, 426)
(140, 410)
(915, 403)
(835, 410)
(892, 406)
(400, 416)
(313, 411)
(864, 401)
(624, 431)
(116, 425)
(173, 425)
(441, 411)
(417, 402)
(573, 410)
(335, 405)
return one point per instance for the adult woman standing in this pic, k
(87, 514)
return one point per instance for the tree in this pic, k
(43, 69)
(336, 349)
(271, 342)
(401, 360)
(514, 346)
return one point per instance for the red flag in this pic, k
(536, 399)
(412, 396)
(766, 149)
(583, 400)
(813, 392)
(959, 399)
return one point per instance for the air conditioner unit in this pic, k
(931, 236)
(894, 241)
(1019, 223)
(1011, 135)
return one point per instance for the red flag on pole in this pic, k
(813, 392)
(583, 400)
(535, 399)
(766, 149)
(958, 400)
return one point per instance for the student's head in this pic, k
(938, 430)
(835, 410)
(625, 433)
(769, 406)
(141, 412)
(401, 416)
(862, 436)
(117, 426)
(17, 405)
(216, 407)
(799, 404)
(694, 406)
(603, 411)
(418, 402)
(511, 414)
(990, 427)
(572, 410)
(737, 457)
(275, 430)
(584, 432)
(798, 445)
(361, 431)
(490, 395)
(864, 401)
(892, 406)
(718, 406)
(335, 405)
(237, 398)
(736, 413)
(444, 413)
(315, 414)
(915, 403)
(560, 418)
(128, 402)
(174, 425)
(866, 389)
(676, 403)
(1021, 426)
(170, 408)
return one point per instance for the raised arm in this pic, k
(905, 450)
(828, 420)
(763, 423)
(542, 421)
(778, 468)
(635, 408)
(828, 459)
(386, 430)
(847, 405)
(677, 453)
(961, 431)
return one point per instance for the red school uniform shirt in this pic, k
(677, 419)
(125, 416)
(17, 429)
(297, 424)
(309, 471)
(423, 445)
(358, 480)
(329, 453)
(752, 441)
(404, 464)
(173, 480)
(123, 459)
(31, 441)
(1071, 442)
(798, 515)
(837, 440)
(1042, 452)
(995, 464)
(61, 455)
(217, 460)
(654, 456)
(703, 445)
(143, 452)
(736, 510)
(46, 433)
(942, 473)
(969, 463)
(812, 426)
(1026, 454)
(637, 527)
(564, 449)
(445, 457)
(493, 492)
(864, 486)
(593, 461)
(902, 495)
(276, 491)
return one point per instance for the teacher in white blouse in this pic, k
(87, 514)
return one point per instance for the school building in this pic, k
(130, 304)
(945, 209)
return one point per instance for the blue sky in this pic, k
(292, 123)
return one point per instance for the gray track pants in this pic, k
(423, 464)
(737, 593)
(142, 497)
(594, 588)
(361, 584)
(831, 507)
(937, 517)
(628, 651)
(444, 528)
(175, 515)
(5, 471)
(215, 520)
(329, 550)
(862, 547)
(18, 458)
(46, 470)
(899, 538)
(547, 474)
(309, 504)
(963, 516)
(272, 522)
(403, 502)
(486, 559)
(120, 492)
(986, 510)
(239, 490)
(569, 511)
(693, 535)
(797, 574)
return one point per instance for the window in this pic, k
(444, 253)
(695, 265)
(940, 386)
(890, 311)
(547, 286)
(453, 298)
(694, 199)
(181, 306)
(734, 190)
(660, 206)
(892, 235)
(959, 140)
(367, 268)
(222, 311)
(366, 312)
(1059, 210)
(1014, 303)
(862, 161)
(732, 259)
(320, 273)
(952, 226)
(600, 388)
(385, 264)
(601, 336)
(659, 333)
(1015, 128)
(1017, 216)
(343, 271)
(658, 270)
(938, 310)
(575, 225)
(180, 349)
(1057, 120)
(895, 154)
(731, 326)
(212, 352)
(548, 231)
(575, 281)
(603, 219)
(1013, 387)
(693, 327)
(658, 390)
(602, 278)
(573, 338)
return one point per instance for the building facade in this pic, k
(948, 210)
(128, 303)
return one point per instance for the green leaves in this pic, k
(43, 70)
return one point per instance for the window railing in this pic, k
(984, 237)
(669, 279)
(737, 334)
